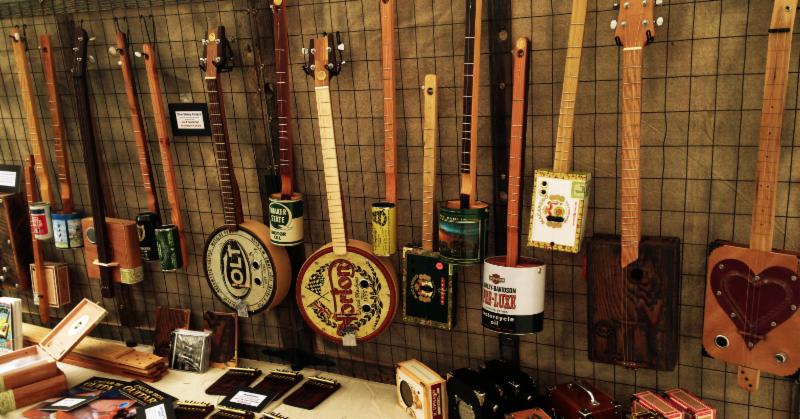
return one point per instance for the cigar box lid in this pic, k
(74, 327)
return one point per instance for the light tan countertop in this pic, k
(356, 399)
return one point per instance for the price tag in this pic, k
(241, 308)
(349, 339)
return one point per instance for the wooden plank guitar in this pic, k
(463, 222)
(513, 286)
(67, 222)
(244, 269)
(634, 282)
(160, 118)
(38, 256)
(285, 207)
(428, 283)
(146, 222)
(344, 292)
(384, 214)
(752, 293)
(561, 197)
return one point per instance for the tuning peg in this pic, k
(613, 24)
(644, 23)
(204, 41)
(305, 51)
(659, 21)
(92, 38)
(616, 6)
(113, 50)
(340, 47)
(203, 61)
(17, 37)
(91, 59)
(659, 2)
(139, 54)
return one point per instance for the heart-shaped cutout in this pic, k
(756, 303)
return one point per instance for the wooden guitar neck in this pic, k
(518, 117)
(562, 162)
(769, 149)
(136, 122)
(160, 119)
(429, 139)
(283, 94)
(19, 44)
(469, 141)
(57, 122)
(389, 92)
(631, 139)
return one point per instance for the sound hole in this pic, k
(256, 264)
(366, 308)
(636, 274)
(90, 235)
(406, 394)
(364, 283)
(257, 281)
(721, 341)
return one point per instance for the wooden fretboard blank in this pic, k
(429, 140)
(331, 170)
(389, 92)
(517, 143)
(283, 96)
(631, 141)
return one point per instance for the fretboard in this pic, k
(469, 144)
(631, 141)
(429, 140)
(769, 149)
(136, 123)
(330, 166)
(32, 116)
(57, 123)
(389, 91)
(518, 117)
(231, 205)
(566, 120)
(283, 94)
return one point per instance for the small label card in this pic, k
(249, 399)
(160, 410)
(189, 119)
(68, 403)
(9, 178)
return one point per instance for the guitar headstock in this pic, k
(81, 55)
(323, 57)
(635, 25)
(17, 35)
(216, 51)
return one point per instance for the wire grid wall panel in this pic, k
(701, 107)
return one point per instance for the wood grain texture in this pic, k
(38, 253)
(633, 315)
(16, 251)
(389, 103)
(167, 320)
(430, 139)
(224, 338)
(519, 117)
(283, 81)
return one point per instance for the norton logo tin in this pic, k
(240, 271)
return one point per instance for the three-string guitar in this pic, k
(463, 223)
(384, 214)
(67, 222)
(634, 282)
(428, 283)
(752, 293)
(286, 206)
(146, 222)
(172, 255)
(344, 292)
(513, 286)
(561, 197)
(244, 269)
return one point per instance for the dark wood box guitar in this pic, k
(633, 282)
(16, 251)
(580, 400)
(752, 293)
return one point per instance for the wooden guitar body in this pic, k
(16, 251)
(243, 264)
(123, 240)
(351, 293)
(752, 298)
(636, 327)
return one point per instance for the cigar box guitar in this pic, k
(560, 196)
(172, 249)
(428, 282)
(285, 207)
(463, 223)
(421, 391)
(146, 222)
(345, 293)
(244, 269)
(581, 399)
(384, 214)
(16, 251)
(513, 286)
(753, 292)
(111, 245)
(634, 282)
(67, 222)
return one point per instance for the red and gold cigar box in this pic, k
(693, 406)
(648, 401)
